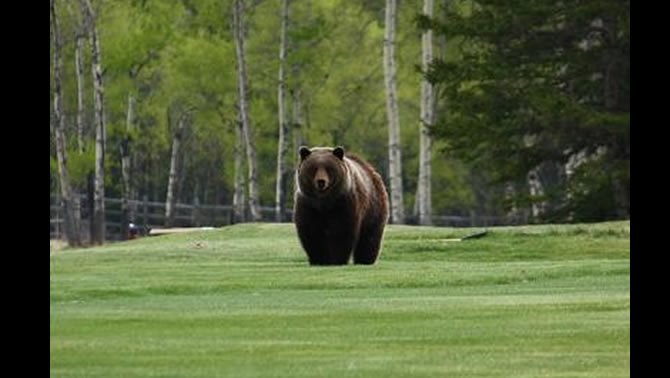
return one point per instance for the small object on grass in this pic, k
(135, 231)
(476, 235)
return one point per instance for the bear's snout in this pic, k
(321, 179)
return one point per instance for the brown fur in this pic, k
(341, 207)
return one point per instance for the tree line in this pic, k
(464, 106)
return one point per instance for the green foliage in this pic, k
(80, 165)
(538, 82)
(498, 77)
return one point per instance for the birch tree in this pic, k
(282, 145)
(242, 83)
(71, 229)
(98, 219)
(175, 172)
(424, 190)
(395, 160)
(238, 191)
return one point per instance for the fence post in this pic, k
(145, 209)
(473, 218)
(195, 214)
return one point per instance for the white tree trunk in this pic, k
(173, 180)
(238, 194)
(395, 158)
(536, 190)
(282, 145)
(79, 63)
(125, 173)
(79, 66)
(71, 227)
(238, 30)
(80, 39)
(126, 147)
(296, 123)
(424, 192)
(100, 134)
(298, 140)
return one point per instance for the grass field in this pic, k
(241, 301)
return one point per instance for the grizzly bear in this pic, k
(341, 206)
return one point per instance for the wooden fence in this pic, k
(152, 214)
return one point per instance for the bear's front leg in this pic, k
(311, 233)
(341, 237)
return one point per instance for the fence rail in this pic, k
(152, 214)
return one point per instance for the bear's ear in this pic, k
(304, 152)
(339, 152)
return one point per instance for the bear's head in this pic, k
(322, 171)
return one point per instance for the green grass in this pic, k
(538, 301)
